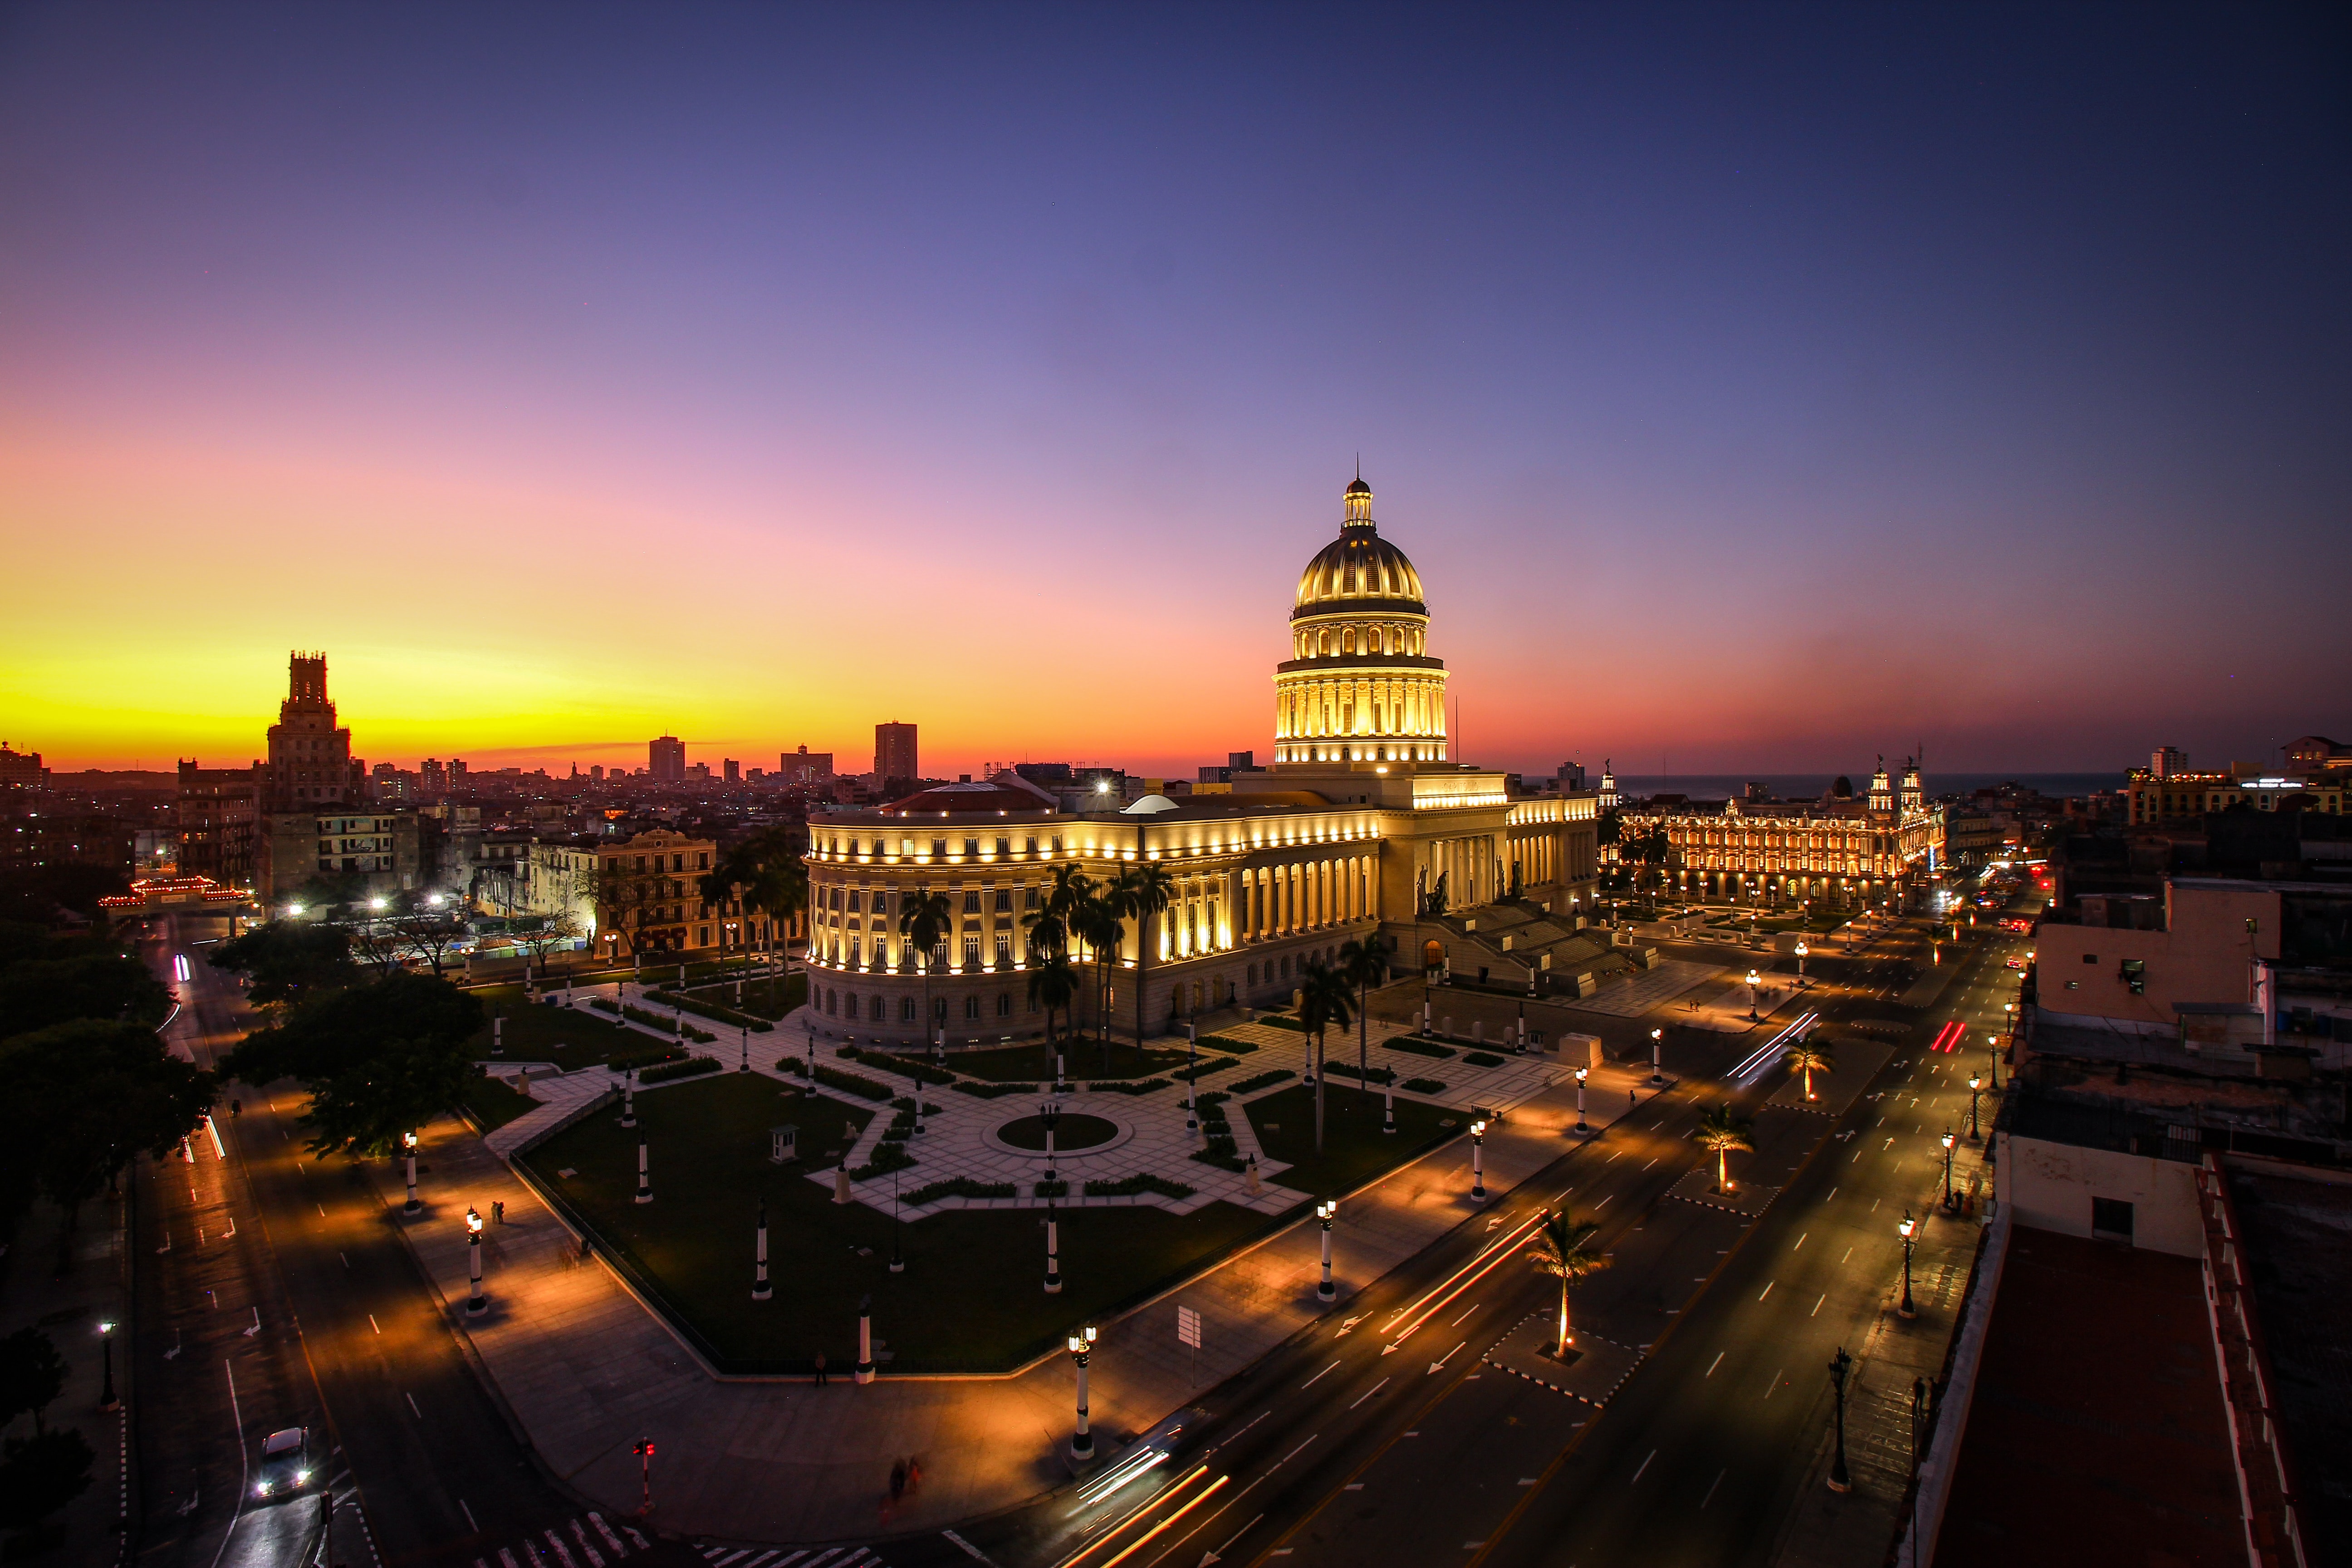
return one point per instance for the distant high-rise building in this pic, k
(21, 769)
(895, 756)
(806, 767)
(596, 773)
(2166, 761)
(734, 770)
(309, 761)
(667, 758)
(216, 819)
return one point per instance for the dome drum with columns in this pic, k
(1359, 685)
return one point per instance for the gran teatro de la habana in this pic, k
(1364, 824)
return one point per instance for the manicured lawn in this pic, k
(971, 1299)
(494, 1104)
(1355, 1149)
(571, 1037)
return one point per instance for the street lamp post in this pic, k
(746, 1065)
(1082, 1345)
(629, 1096)
(1051, 1110)
(107, 1401)
(761, 1289)
(1053, 1251)
(1840, 1369)
(863, 1372)
(1478, 1162)
(1754, 981)
(1581, 1125)
(1992, 1055)
(1975, 1084)
(1948, 1168)
(898, 1263)
(1658, 1044)
(1191, 1081)
(1906, 1228)
(1802, 951)
(645, 1174)
(477, 1303)
(408, 1146)
(1325, 1212)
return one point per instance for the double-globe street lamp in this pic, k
(1976, 1084)
(1658, 1044)
(408, 1147)
(1325, 1212)
(1908, 1225)
(476, 1303)
(1082, 1345)
(1478, 1162)
(1948, 1168)
(1582, 1126)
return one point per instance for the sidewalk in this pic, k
(589, 1372)
(70, 1310)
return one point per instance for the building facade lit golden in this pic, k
(1361, 828)
(1840, 849)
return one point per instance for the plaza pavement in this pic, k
(588, 1370)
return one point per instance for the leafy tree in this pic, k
(923, 920)
(1324, 998)
(36, 893)
(32, 1373)
(36, 993)
(1809, 1057)
(84, 1096)
(379, 1059)
(287, 959)
(41, 1474)
(1564, 1250)
(1143, 891)
(1364, 964)
(1609, 824)
(1721, 1131)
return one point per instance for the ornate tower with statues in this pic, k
(1359, 686)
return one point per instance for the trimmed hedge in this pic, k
(833, 1077)
(1148, 1086)
(694, 1067)
(887, 1157)
(714, 1011)
(1133, 1185)
(1375, 1075)
(1417, 1047)
(1423, 1085)
(990, 1090)
(1227, 1043)
(1483, 1059)
(958, 1187)
(1280, 1022)
(1262, 1080)
(913, 1068)
(641, 1061)
(1053, 1189)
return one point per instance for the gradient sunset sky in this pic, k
(1763, 386)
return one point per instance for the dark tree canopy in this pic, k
(32, 1373)
(84, 1096)
(380, 1059)
(41, 1474)
(37, 992)
(286, 960)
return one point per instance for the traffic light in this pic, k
(2136, 975)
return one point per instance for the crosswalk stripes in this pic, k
(593, 1543)
(779, 1557)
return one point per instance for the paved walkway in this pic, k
(589, 1372)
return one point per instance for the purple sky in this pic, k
(1772, 386)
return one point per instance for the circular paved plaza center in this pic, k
(1075, 1132)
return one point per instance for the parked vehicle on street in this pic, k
(285, 1470)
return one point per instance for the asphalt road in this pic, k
(359, 1347)
(1365, 1442)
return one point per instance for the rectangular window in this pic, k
(2111, 1220)
(1028, 897)
(906, 1009)
(972, 847)
(971, 900)
(1004, 847)
(1003, 949)
(1057, 843)
(939, 848)
(971, 953)
(1003, 900)
(1033, 846)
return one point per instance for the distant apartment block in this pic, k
(895, 753)
(215, 815)
(665, 758)
(806, 769)
(21, 769)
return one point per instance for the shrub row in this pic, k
(914, 1068)
(958, 1187)
(1375, 1075)
(1483, 1059)
(1056, 1188)
(887, 1157)
(1262, 1080)
(833, 1077)
(1417, 1047)
(1281, 1021)
(1148, 1086)
(635, 1014)
(990, 1090)
(640, 1060)
(1423, 1085)
(714, 1011)
(1227, 1043)
(1132, 1186)
(693, 1066)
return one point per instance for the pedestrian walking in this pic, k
(820, 1369)
(499, 1211)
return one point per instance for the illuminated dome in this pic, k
(1359, 685)
(1360, 567)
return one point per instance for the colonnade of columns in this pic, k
(1305, 895)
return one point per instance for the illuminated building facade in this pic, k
(1360, 829)
(311, 763)
(1840, 850)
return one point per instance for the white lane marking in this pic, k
(1849, 1253)
(1466, 1311)
(1369, 1392)
(469, 1519)
(1715, 1363)
(1775, 1383)
(605, 1530)
(1800, 1241)
(1318, 1377)
(373, 1324)
(1710, 1490)
(597, 1559)
(507, 1557)
(412, 1405)
(1817, 1306)
(563, 1555)
(1767, 1288)
(1645, 1464)
(1293, 1454)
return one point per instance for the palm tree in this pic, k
(924, 918)
(1807, 1058)
(1095, 920)
(1721, 1131)
(1364, 963)
(1143, 891)
(1324, 998)
(1053, 984)
(1564, 1250)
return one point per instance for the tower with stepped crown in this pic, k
(1359, 685)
